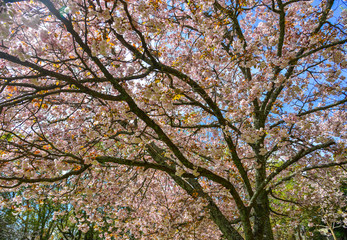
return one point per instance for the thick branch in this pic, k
(192, 188)
(59, 76)
(312, 111)
(326, 165)
(21, 180)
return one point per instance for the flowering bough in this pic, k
(173, 119)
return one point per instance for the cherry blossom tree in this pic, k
(175, 119)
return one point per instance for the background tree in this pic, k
(315, 209)
(9, 226)
(173, 119)
(41, 218)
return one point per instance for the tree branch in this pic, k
(302, 153)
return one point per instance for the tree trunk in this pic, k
(262, 229)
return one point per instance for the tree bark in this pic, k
(262, 225)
